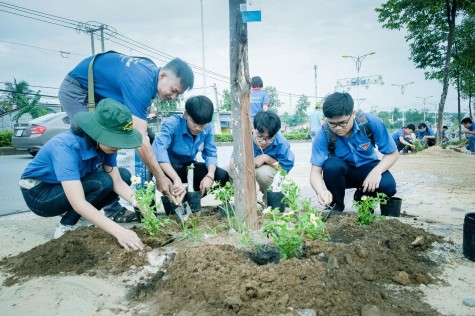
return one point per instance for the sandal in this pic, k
(124, 216)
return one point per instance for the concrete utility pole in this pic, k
(203, 49)
(315, 68)
(91, 31)
(245, 180)
(217, 125)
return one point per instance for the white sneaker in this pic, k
(61, 229)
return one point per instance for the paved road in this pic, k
(11, 200)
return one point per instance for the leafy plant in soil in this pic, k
(147, 203)
(224, 194)
(366, 207)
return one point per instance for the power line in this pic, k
(29, 93)
(85, 27)
(63, 53)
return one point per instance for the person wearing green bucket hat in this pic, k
(75, 173)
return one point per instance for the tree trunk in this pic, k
(243, 154)
(451, 8)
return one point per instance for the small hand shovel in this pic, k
(183, 210)
(329, 209)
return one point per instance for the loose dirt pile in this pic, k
(363, 269)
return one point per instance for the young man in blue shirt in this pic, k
(354, 163)
(470, 132)
(134, 82)
(259, 98)
(179, 140)
(402, 138)
(316, 120)
(270, 148)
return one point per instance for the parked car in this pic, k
(33, 135)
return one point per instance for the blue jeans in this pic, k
(49, 200)
(339, 175)
(471, 143)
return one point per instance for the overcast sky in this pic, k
(292, 37)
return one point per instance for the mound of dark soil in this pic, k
(363, 270)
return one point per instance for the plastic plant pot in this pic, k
(392, 207)
(194, 200)
(469, 236)
(274, 200)
(168, 205)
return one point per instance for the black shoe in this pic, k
(358, 195)
(337, 207)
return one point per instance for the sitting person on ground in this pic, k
(271, 150)
(445, 137)
(344, 154)
(402, 138)
(426, 134)
(75, 173)
(470, 132)
(180, 138)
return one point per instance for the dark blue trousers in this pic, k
(49, 200)
(339, 175)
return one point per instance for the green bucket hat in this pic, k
(110, 124)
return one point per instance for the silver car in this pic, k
(33, 135)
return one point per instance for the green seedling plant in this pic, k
(419, 146)
(291, 193)
(366, 206)
(145, 196)
(289, 229)
(191, 228)
(224, 194)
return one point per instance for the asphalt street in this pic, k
(12, 167)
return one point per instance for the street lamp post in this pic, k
(403, 88)
(424, 105)
(358, 60)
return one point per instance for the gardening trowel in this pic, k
(329, 210)
(182, 209)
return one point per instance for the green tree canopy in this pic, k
(30, 105)
(168, 106)
(17, 94)
(274, 102)
(430, 39)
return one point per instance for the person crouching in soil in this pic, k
(75, 173)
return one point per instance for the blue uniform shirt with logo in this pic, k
(66, 157)
(357, 149)
(279, 150)
(129, 80)
(175, 144)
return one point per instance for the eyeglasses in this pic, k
(341, 124)
(260, 138)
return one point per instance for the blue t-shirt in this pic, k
(357, 149)
(279, 150)
(258, 98)
(66, 157)
(397, 134)
(425, 132)
(315, 120)
(130, 80)
(175, 144)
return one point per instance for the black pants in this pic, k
(200, 172)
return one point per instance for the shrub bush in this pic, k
(6, 138)
(223, 138)
(297, 135)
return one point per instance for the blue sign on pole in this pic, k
(251, 16)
